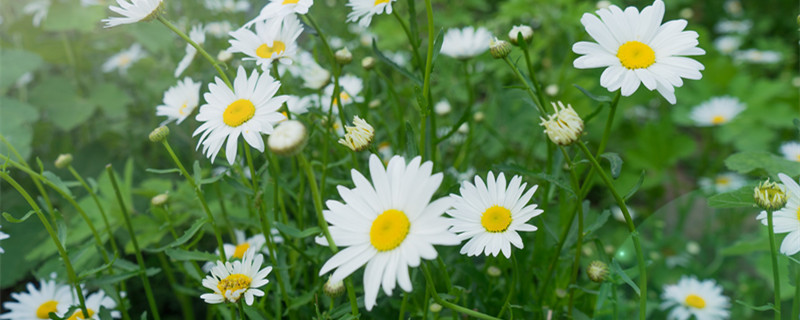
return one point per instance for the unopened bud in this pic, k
(288, 138)
(359, 136)
(224, 56)
(159, 134)
(493, 271)
(333, 289)
(563, 127)
(435, 307)
(63, 160)
(478, 116)
(499, 48)
(368, 63)
(343, 56)
(526, 31)
(159, 200)
(769, 195)
(597, 271)
(374, 103)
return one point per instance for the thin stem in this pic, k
(579, 243)
(531, 71)
(139, 259)
(186, 306)
(444, 303)
(411, 38)
(99, 206)
(426, 86)
(796, 304)
(402, 312)
(469, 117)
(528, 88)
(73, 278)
(200, 49)
(631, 227)
(35, 181)
(241, 309)
(512, 284)
(773, 250)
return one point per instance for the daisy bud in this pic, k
(159, 134)
(693, 248)
(442, 108)
(224, 56)
(358, 137)
(603, 4)
(551, 90)
(463, 128)
(526, 31)
(343, 56)
(499, 48)
(564, 127)
(374, 103)
(435, 307)
(368, 63)
(63, 160)
(769, 195)
(288, 138)
(597, 271)
(159, 200)
(333, 289)
(478, 116)
(686, 13)
(493, 271)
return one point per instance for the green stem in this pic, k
(35, 181)
(512, 284)
(200, 49)
(199, 193)
(402, 312)
(99, 206)
(444, 303)
(528, 88)
(579, 243)
(469, 117)
(186, 305)
(241, 309)
(796, 304)
(411, 38)
(73, 278)
(631, 227)
(773, 250)
(426, 86)
(531, 72)
(139, 259)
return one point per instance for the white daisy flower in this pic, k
(3, 236)
(180, 100)
(389, 224)
(313, 75)
(198, 35)
(94, 302)
(757, 56)
(350, 88)
(230, 281)
(38, 9)
(133, 11)
(489, 215)
(724, 182)
(466, 43)
(791, 151)
(731, 26)
(272, 40)
(249, 110)
(124, 59)
(727, 44)
(281, 8)
(787, 220)
(635, 48)
(691, 297)
(219, 29)
(243, 243)
(38, 303)
(363, 10)
(227, 5)
(716, 111)
(297, 105)
(442, 107)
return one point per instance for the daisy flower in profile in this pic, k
(691, 297)
(724, 182)
(3, 236)
(490, 214)
(363, 10)
(280, 9)
(389, 224)
(133, 11)
(791, 151)
(180, 100)
(249, 110)
(230, 281)
(124, 59)
(272, 40)
(635, 48)
(297, 105)
(466, 43)
(38, 303)
(198, 35)
(716, 111)
(350, 88)
(787, 220)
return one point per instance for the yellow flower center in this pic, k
(636, 55)
(496, 219)
(234, 282)
(377, 2)
(718, 120)
(181, 109)
(44, 310)
(79, 315)
(265, 51)
(240, 250)
(798, 158)
(389, 230)
(344, 96)
(723, 181)
(695, 301)
(290, 1)
(124, 60)
(798, 213)
(238, 112)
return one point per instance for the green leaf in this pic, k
(391, 63)
(57, 97)
(296, 233)
(746, 246)
(743, 197)
(437, 44)
(183, 255)
(616, 163)
(111, 100)
(11, 218)
(68, 16)
(14, 64)
(538, 175)
(16, 123)
(56, 180)
(618, 271)
(592, 96)
(119, 277)
(748, 161)
(765, 307)
(98, 269)
(635, 187)
(411, 142)
(163, 171)
(187, 235)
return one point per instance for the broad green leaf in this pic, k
(743, 197)
(65, 16)
(749, 161)
(58, 99)
(16, 119)
(14, 63)
(111, 100)
(635, 187)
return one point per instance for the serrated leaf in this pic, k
(11, 218)
(615, 161)
(742, 197)
(184, 255)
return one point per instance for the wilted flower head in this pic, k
(288, 138)
(358, 137)
(770, 195)
(563, 127)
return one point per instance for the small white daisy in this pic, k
(363, 10)
(180, 100)
(787, 220)
(219, 29)
(281, 8)
(133, 11)
(230, 281)
(243, 243)
(791, 151)
(489, 215)
(389, 224)
(124, 59)
(227, 5)
(690, 297)
(94, 302)
(727, 44)
(38, 303)
(38, 9)
(635, 48)
(716, 111)
(272, 40)
(297, 105)
(350, 88)
(198, 35)
(732, 26)
(466, 43)
(249, 110)
(314, 76)
(724, 182)
(756, 56)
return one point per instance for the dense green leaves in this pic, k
(760, 161)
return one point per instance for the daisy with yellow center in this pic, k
(38, 303)
(791, 151)
(490, 214)
(723, 182)
(691, 297)
(787, 220)
(273, 39)
(95, 302)
(124, 59)
(363, 10)
(635, 48)
(133, 11)
(249, 110)
(280, 9)
(180, 101)
(717, 111)
(350, 88)
(389, 224)
(230, 281)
